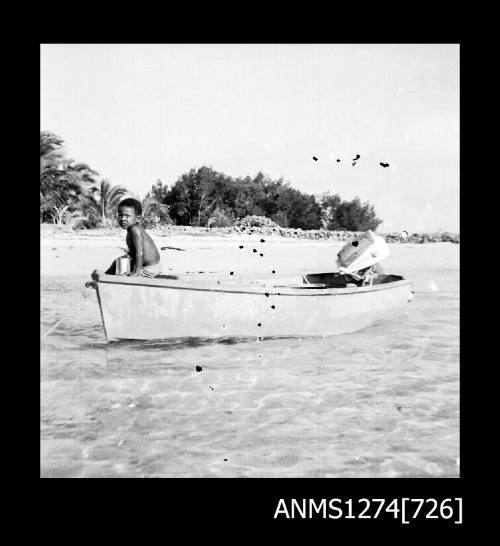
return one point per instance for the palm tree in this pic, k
(62, 181)
(50, 169)
(65, 188)
(105, 199)
(49, 142)
(62, 215)
(153, 210)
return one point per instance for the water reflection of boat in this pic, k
(166, 307)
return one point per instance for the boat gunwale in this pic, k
(306, 290)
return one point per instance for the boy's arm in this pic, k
(138, 242)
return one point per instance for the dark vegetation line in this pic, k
(73, 194)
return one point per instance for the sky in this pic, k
(137, 113)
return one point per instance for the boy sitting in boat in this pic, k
(144, 256)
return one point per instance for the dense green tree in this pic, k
(302, 210)
(244, 198)
(158, 190)
(328, 204)
(196, 196)
(348, 215)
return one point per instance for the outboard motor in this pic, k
(359, 256)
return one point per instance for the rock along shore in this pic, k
(315, 234)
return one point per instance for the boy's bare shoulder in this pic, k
(136, 229)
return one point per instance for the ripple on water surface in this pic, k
(382, 402)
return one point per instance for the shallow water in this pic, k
(381, 402)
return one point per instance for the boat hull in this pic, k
(147, 309)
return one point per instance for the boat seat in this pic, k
(339, 280)
(330, 279)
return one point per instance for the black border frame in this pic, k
(216, 504)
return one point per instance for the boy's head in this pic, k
(129, 212)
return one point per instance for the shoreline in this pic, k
(72, 254)
(52, 232)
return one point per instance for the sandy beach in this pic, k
(76, 254)
(382, 402)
